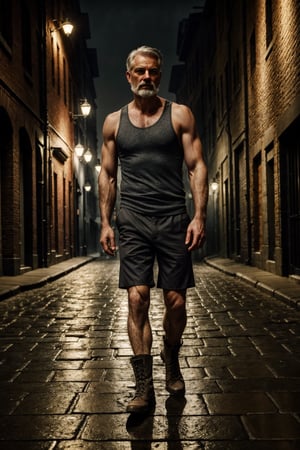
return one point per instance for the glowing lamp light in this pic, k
(88, 156)
(98, 166)
(87, 186)
(79, 149)
(85, 108)
(214, 186)
(67, 26)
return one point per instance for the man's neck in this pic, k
(145, 111)
(147, 105)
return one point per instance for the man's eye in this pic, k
(140, 71)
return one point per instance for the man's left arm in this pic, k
(197, 171)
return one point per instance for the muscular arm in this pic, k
(107, 183)
(197, 170)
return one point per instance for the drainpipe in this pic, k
(231, 193)
(246, 121)
(44, 116)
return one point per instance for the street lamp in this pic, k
(79, 150)
(65, 25)
(214, 186)
(85, 108)
(98, 166)
(85, 111)
(87, 186)
(88, 156)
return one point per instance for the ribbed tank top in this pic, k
(151, 161)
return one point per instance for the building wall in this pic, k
(40, 90)
(19, 129)
(274, 88)
(248, 114)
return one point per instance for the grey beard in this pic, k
(144, 93)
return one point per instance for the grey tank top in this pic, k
(151, 161)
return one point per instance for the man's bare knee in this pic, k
(139, 296)
(175, 300)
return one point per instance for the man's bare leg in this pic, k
(174, 324)
(140, 336)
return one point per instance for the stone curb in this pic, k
(282, 288)
(10, 286)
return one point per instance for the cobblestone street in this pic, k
(66, 379)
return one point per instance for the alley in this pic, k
(65, 376)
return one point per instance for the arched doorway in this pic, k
(26, 210)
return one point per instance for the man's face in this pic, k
(144, 76)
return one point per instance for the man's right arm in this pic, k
(108, 183)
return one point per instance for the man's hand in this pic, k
(195, 234)
(107, 240)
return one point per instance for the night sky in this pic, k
(118, 26)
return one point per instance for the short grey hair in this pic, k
(144, 50)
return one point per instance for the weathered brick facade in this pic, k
(43, 77)
(241, 77)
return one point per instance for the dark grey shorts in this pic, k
(144, 238)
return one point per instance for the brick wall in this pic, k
(252, 89)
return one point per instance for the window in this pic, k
(64, 215)
(65, 81)
(238, 176)
(257, 202)
(58, 68)
(270, 202)
(71, 103)
(52, 63)
(56, 211)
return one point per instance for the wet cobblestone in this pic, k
(65, 377)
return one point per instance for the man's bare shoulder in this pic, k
(182, 116)
(111, 122)
(181, 110)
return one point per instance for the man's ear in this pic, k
(128, 77)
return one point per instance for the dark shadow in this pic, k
(174, 407)
(140, 429)
(140, 426)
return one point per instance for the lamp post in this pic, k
(64, 25)
(85, 108)
(86, 188)
(214, 187)
(80, 172)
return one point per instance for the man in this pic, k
(152, 138)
